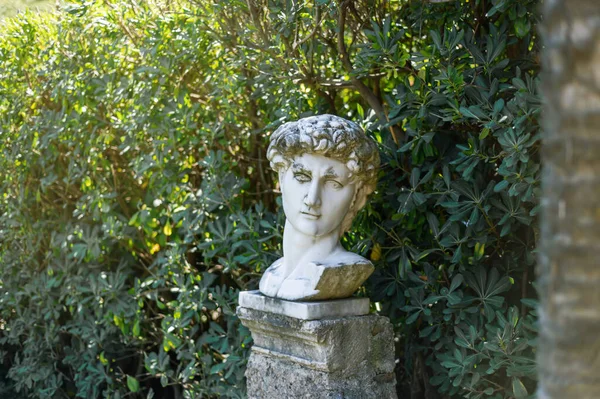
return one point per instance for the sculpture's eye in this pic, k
(302, 177)
(335, 184)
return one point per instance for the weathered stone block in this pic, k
(314, 310)
(346, 357)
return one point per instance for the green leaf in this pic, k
(424, 254)
(532, 303)
(519, 84)
(133, 384)
(434, 223)
(498, 106)
(217, 368)
(446, 174)
(479, 250)
(361, 111)
(412, 318)
(414, 177)
(136, 328)
(456, 282)
(522, 27)
(501, 185)
(427, 137)
(406, 147)
(467, 112)
(474, 217)
(519, 389)
(437, 40)
(484, 133)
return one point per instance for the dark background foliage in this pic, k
(136, 201)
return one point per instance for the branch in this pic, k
(312, 33)
(362, 88)
(256, 20)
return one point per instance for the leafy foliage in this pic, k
(135, 199)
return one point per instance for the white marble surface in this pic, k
(305, 310)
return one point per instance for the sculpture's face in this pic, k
(317, 193)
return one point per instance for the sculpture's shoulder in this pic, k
(345, 259)
(271, 279)
(274, 268)
(337, 276)
(343, 273)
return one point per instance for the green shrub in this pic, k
(121, 186)
(136, 201)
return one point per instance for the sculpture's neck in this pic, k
(300, 248)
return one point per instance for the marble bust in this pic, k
(327, 167)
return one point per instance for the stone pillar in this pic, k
(317, 350)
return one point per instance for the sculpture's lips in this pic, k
(311, 215)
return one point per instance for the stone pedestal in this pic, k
(317, 350)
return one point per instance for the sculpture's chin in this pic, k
(306, 227)
(313, 228)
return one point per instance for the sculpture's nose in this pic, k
(313, 197)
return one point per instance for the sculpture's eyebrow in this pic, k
(298, 167)
(331, 173)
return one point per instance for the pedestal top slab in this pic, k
(305, 310)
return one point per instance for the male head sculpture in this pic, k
(327, 167)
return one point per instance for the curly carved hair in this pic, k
(335, 138)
